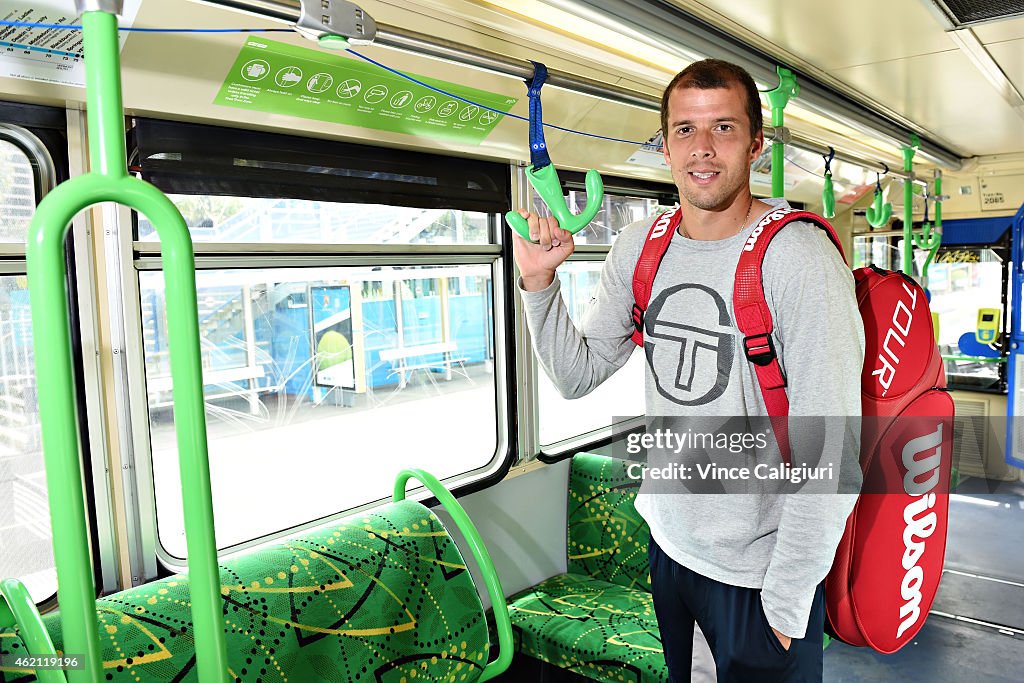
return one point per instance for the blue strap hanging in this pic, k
(543, 176)
(538, 147)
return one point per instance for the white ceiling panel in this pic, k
(1009, 56)
(947, 95)
(1000, 31)
(833, 35)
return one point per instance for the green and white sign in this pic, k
(279, 78)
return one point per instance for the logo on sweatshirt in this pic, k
(691, 364)
(919, 520)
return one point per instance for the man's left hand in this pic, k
(785, 640)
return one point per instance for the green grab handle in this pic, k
(930, 236)
(828, 197)
(109, 182)
(879, 213)
(18, 608)
(483, 559)
(545, 181)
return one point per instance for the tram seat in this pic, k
(383, 596)
(597, 619)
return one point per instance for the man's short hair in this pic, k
(715, 73)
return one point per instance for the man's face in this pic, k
(709, 147)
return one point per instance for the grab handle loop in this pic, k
(828, 196)
(544, 178)
(879, 213)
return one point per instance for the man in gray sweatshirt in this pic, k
(746, 567)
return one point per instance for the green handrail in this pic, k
(483, 560)
(778, 99)
(108, 181)
(18, 607)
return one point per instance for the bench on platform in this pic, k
(438, 356)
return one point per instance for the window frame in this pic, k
(46, 138)
(666, 195)
(142, 256)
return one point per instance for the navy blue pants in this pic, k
(745, 648)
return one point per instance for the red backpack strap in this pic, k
(647, 265)
(755, 320)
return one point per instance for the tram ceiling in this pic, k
(677, 29)
(961, 83)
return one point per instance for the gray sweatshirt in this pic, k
(783, 544)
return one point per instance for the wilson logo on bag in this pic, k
(889, 561)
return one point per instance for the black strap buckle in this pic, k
(759, 348)
(638, 318)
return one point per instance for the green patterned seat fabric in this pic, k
(598, 619)
(383, 597)
(607, 537)
(597, 629)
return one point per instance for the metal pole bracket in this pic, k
(322, 18)
(781, 135)
(112, 6)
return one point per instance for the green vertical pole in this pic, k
(108, 181)
(908, 205)
(778, 157)
(778, 99)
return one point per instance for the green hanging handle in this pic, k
(778, 99)
(930, 236)
(545, 181)
(879, 213)
(828, 195)
(109, 181)
(483, 560)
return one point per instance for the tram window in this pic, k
(875, 250)
(961, 281)
(255, 220)
(326, 374)
(621, 395)
(616, 213)
(314, 372)
(17, 193)
(25, 538)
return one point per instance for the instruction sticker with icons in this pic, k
(278, 78)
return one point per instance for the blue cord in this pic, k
(72, 27)
(482, 106)
(77, 27)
